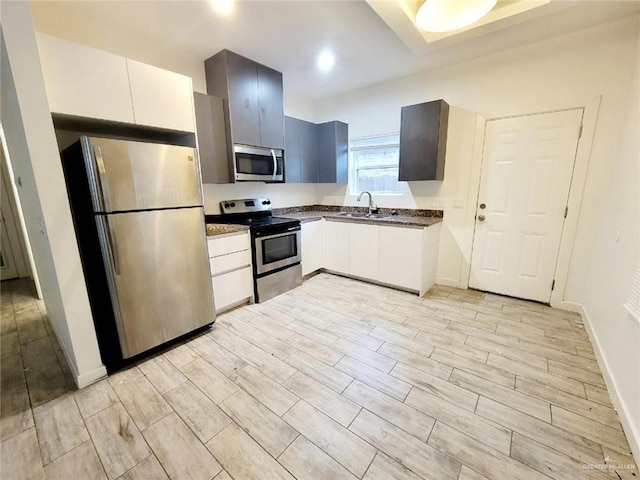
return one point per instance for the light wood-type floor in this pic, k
(336, 379)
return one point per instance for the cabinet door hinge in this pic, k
(553, 284)
(566, 212)
(580, 132)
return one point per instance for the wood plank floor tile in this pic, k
(208, 379)
(95, 398)
(271, 394)
(223, 475)
(598, 394)
(355, 335)
(392, 386)
(414, 454)
(452, 346)
(180, 355)
(9, 345)
(179, 452)
(418, 362)
(20, 457)
(307, 462)
(478, 455)
(218, 356)
(81, 462)
(593, 376)
(481, 334)
(467, 474)
(162, 374)
(316, 350)
(329, 402)
(266, 428)
(310, 331)
(273, 346)
(400, 414)
(501, 376)
(364, 355)
(117, 440)
(342, 445)
(549, 461)
(60, 428)
(582, 406)
(197, 410)
(325, 374)
(442, 389)
(620, 465)
(243, 458)
(508, 351)
(143, 403)
(568, 443)
(45, 378)
(494, 435)
(385, 468)
(30, 324)
(611, 437)
(532, 373)
(515, 399)
(147, 469)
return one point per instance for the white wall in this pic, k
(578, 66)
(32, 148)
(614, 259)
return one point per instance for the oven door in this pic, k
(258, 164)
(278, 250)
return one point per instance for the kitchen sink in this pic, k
(359, 215)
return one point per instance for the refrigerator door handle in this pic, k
(112, 245)
(102, 181)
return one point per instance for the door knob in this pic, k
(481, 218)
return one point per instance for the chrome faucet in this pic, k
(370, 200)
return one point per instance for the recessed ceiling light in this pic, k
(447, 15)
(325, 61)
(222, 6)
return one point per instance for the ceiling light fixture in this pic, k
(223, 7)
(325, 61)
(447, 15)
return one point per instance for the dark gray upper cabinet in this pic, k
(316, 153)
(333, 165)
(213, 141)
(423, 141)
(254, 95)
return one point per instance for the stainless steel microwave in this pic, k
(257, 164)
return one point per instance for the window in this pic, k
(374, 164)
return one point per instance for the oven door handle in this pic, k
(275, 164)
(281, 234)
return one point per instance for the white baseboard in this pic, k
(451, 283)
(569, 306)
(631, 430)
(93, 376)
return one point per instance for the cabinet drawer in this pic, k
(231, 261)
(232, 287)
(226, 245)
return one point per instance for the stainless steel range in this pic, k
(276, 245)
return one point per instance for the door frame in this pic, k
(591, 108)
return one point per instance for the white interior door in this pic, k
(524, 187)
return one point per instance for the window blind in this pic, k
(633, 304)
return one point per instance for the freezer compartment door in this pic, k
(158, 270)
(125, 175)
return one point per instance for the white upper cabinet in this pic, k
(161, 98)
(84, 81)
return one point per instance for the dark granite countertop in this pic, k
(405, 217)
(214, 229)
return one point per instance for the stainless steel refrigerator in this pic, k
(139, 220)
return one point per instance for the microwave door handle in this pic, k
(275, 164)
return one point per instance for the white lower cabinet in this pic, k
(400, 256)
(311, 246)
(335, 246)
(231, 271)
(363, 250)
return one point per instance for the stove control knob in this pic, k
(264, 202)
(226, 205)
(233, 204)
(268, 202)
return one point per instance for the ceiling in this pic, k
(374, 41)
